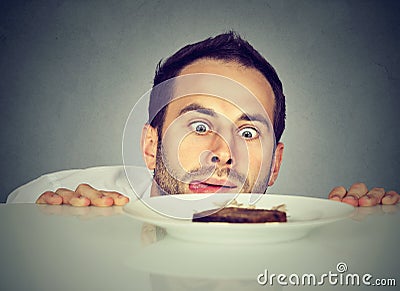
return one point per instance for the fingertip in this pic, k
(108, 201)
(387, 200)
(102, 201)
(353, 201)
(49, 197)
(359, 185)
(56, 200)
(367, 201)
(121, 201)
(84, 188)
(41, 199)
(337, 193)
(335, 198)
(340, 189)
(118, 198)
(86, 201)
(390, 198)
(79, 201)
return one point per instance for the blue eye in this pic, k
(200, 127)
(248, 133)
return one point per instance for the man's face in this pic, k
(218, 144)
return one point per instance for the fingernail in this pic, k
(350, 197)
(335, 197)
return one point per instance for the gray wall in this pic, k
(72, 70)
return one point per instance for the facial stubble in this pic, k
(169, 182)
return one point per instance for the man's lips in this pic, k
(211, 185)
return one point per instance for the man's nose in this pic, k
(221, 152)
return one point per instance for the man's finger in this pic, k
(79, 200)
(66, 194)
(49, 197)
(96, 197)
(391, 197)
(337, 193)
(355, 192)
(42, 199)
(372, 198)
(119, 199)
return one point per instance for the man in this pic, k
(202, 143)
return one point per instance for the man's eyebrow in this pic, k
(198, 108)
(208, 111)
(255, 117)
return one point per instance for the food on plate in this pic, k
(241, 215)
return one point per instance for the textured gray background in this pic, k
(72, 70)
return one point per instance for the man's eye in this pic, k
(200, 127)
(248, 133)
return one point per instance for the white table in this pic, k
(67, 248)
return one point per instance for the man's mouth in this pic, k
(211, 186)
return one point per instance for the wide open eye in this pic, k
(200, 127)
(248, 133)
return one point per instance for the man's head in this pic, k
(201, 143)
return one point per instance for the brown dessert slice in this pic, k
(240, 215)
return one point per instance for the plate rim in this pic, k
(178, 223)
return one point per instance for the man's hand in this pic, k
(358, 195)
(84, 195)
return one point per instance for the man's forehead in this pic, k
(230, 80)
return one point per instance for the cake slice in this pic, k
(240, 215)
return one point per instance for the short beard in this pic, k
(166, 183)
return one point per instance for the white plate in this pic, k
(304, 214)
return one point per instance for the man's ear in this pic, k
(148, 145)
(277, 164)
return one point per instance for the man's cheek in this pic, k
(194, 152)
(176, 148)
(250, 156)
(185, 158)
(188, 154)
(257, 166)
